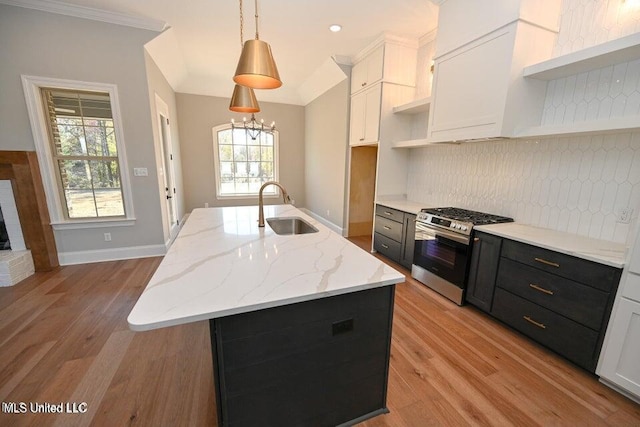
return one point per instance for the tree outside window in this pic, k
(243, 164)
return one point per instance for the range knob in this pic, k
(464, 228)
(458, 226)
(453, 225)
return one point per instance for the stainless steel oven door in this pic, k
(442, 252)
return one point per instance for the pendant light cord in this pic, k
(256, 7)
(241, 26)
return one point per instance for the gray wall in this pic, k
(49, 45)
(158, 84)
(198, 114)
(326, 149)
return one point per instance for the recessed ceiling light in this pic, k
(335, 28)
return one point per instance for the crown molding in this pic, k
(428, 37)
(85, 12)
(385, 38)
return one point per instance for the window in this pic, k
(243, 164)
(79, 140)
(85, 153)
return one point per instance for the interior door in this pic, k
(167, 169)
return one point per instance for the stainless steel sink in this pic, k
(290, 225)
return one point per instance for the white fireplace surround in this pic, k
(10, 214)
(16, 264)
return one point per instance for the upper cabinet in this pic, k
(365, 116)
(368, 71)
(478, 88)
(389, 59)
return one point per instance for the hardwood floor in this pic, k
(64, 338)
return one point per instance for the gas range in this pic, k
(458, 220)
(443, 246)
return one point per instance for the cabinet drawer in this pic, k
(578, 302)
(590, 273)
(389, 213)
(389, 228)
(566, 337)
(387, 247)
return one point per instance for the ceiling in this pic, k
(199, 51)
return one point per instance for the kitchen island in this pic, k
(300, 324)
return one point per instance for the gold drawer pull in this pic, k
(386, 227)
(544, 261)
(538, 288)
(384, 246)
(533, 322)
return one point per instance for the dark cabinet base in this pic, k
(323, 362)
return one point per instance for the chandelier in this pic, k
(252, 127)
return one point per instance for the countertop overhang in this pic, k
(222, 264)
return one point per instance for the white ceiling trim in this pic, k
(385, 38)
(428, 37)
(85, 12)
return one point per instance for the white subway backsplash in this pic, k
(576, 184)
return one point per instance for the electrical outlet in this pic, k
(624, 215)
(328, 213)
(107, 237)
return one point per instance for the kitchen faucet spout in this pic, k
(285, 198)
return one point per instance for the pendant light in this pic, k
(243, 99)
(256, 67)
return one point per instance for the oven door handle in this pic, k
(422, 229)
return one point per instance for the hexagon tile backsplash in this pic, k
(572, 184)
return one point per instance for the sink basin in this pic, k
(290, 225)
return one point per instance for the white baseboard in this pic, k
(100, 255)
(326, 223)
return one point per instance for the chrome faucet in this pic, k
(285, 198)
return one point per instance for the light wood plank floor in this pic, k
(64, 338)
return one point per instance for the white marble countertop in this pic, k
(601, 251)
(222, 263)
(403, 205)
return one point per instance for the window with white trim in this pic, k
(79, 140)
(242, 164)
(85, 153)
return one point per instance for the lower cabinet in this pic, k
(560, 301)
(323, 362)
(394, 235)
(485, 257)
(619, 365)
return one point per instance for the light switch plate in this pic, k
(140, 172)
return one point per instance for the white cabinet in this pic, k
(620, 361)
(389, 59)
(368, 71)
(478, 88)
(619, 365)
(365, 116)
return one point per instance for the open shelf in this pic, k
(616, 124)
(411, 143)
(612, 52)
(413, 107)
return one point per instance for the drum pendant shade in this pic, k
(244, 100)
(256, 67)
